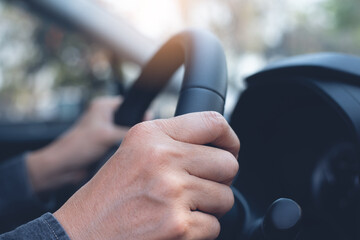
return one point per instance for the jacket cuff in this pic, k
(43, 228)
(21, 203)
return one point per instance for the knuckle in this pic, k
(237, 144)
(231, 165)
(139, 130)
(159, 153)
(228, 199)
(170, 187)
(224, 200)
(164, 154)
(179, 227)
(163, 125)
(214, 227)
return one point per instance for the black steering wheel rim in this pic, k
(204, 84)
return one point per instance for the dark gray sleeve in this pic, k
(45, 227)
(18, 202)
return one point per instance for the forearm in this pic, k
(56, 164)
(66, 160)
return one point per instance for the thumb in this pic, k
(114, 102)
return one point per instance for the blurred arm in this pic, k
(18, 202)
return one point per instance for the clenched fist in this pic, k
(169, 180)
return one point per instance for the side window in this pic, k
(48, 72)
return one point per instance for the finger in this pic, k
(209, 197)
(107, 106)
(107, 102)
(113, 102)
(202, 128)
(118, 133)
(149, 115)
(203, 226)
(209, 163)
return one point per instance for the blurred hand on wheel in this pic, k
(66, 160)
(162, 183)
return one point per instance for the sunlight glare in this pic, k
(155, 19)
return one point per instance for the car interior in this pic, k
(297, 119)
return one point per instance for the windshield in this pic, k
(49, 71)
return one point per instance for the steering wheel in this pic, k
(204, 89)
(204, 84)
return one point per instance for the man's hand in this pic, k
(66, 160)
(163, 183)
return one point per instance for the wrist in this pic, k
(53, 165)
(38, 170)
(67, 220)
(42, 170)
(76, 218)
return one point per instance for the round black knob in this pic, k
(282, 220)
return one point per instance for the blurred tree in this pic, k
(252, 32)
(45, 67)
(333, 27)
(346, 21)
(345, 13)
